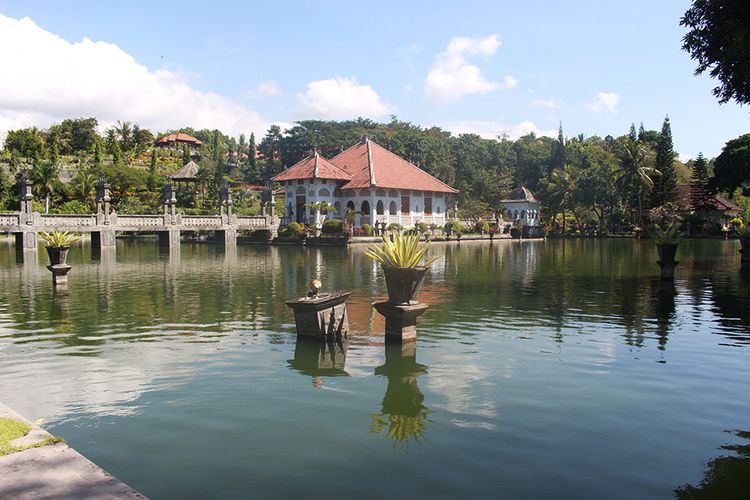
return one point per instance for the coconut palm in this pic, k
(561, 188)
(45, 175)
(636, 176)
(84, 185)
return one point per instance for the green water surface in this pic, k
(543, 369)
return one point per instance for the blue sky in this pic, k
(484, 67)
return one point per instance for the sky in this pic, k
(490, 68)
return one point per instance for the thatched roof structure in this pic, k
(189, 172)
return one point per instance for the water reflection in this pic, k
(665, 310)
(403, 416)
(726, 476)
(320, 358)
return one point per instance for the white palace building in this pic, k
(379, 185)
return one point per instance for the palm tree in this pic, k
(84, 185)
(45, 174)
(561, 188)
(125, 133)
(636, 176)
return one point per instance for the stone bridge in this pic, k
(105, 224)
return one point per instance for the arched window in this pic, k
(438, 210)
(392, 208)
(350, 205)
(324, 192)
(515, 215)
(300, 190)
(416, 208)
(379, 208)
(365, 208)
(337, 206)
(523, 214)
(510, 214)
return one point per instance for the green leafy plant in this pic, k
(58, 239)
(401, 251)
(294, 229)
(368, 230)
(667, 235)
(333, 226)
(395, 227)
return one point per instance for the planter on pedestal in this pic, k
(403, 284)
(57, 255)
(667, 252)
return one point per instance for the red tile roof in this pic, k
(179, 137)
(716, 202)
(371, 165)
(314, 166)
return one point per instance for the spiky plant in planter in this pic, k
(667, 237)
(404, 261)
(58, 243)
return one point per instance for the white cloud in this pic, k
(550, 103)
(268, 89)
(493, 130)
(339, 99)
(453, 77)
(604, 101)
(46, 79)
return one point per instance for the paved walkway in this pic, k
(54, 471)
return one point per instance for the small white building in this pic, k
(377, 184)
(521, 208)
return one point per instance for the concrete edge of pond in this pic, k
(54, 470)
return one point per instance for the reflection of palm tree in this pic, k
(726, 477)
(403, 411)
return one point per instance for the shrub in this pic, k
(403, 251)
(395, 227)
(421, 227)
(368, 230)
(294, 229)
(333, 226)
(482, 227)
(73, 207)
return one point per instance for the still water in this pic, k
(542, 369)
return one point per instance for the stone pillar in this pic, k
(226, 237)
(169, 238)
(26, 241)
(103, 239)
(400, 321)
(25, 198)
(169, 199)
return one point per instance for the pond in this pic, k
(542, 369)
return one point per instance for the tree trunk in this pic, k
(46, 203)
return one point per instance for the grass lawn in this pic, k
(13, 429)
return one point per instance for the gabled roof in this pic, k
(520, 195)
(313, 167)
(188, 172)
(719, 203)
(371, 165)
(179, 137)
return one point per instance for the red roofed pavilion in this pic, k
(367, 178)
(179, 137)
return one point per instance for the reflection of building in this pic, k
(367, 178)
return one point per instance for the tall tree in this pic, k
(699, 191)
(665, 185)
(45, 175)
(641, 132)
(251, 173)
(719, 40)
(632, 134)
(558, 156)
(635, 178)
(151, 182)
(732, 166)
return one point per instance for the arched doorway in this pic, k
(392, 208)
(379, 208)
(300, 202)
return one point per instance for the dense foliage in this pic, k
(605, 183)
(719, 40)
